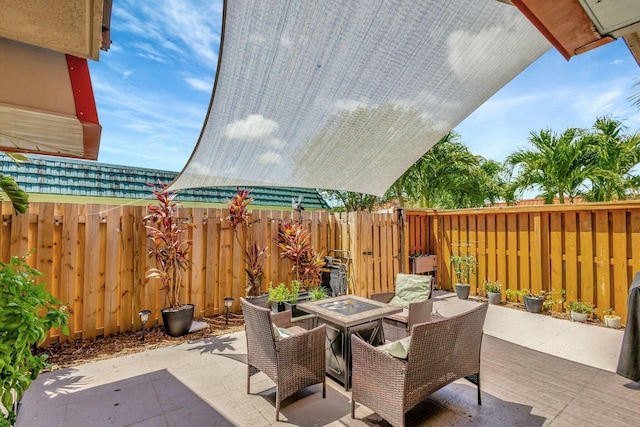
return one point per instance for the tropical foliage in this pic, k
(167, 245)
(294, 242)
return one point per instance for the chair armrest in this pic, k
(384, 297)
(303, 349)
(419, 312)
(282, 319)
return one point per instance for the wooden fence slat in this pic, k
(112, 272)
(127, 262)
(524, 278)
(512, 248)
(620, 280)
(571, 256)
(555, 254)
(603, 260)
(91, 283)
(587, 264)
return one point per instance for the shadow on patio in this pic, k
(203, 383)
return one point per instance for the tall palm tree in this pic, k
(618, 154)
(443, 177)
(558, 165)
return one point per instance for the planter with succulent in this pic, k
(493, 289)
(27, 312)
(533, 301)
(170, 251)
(254, 256)
(611, 319)
(463, 266)
(580, 311)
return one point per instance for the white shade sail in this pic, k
(347, 95)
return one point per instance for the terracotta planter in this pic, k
(613, 321)
(462, 290)
(177, 322)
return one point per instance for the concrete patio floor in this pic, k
(536, 370)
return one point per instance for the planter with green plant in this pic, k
(170, 251)
(277, 297)
(255, 255)
(318, 293)
(611, 319)
(533, 301)
(27, 313)
(296, 296)
(580, 311)
(493, 289)
(463, 266)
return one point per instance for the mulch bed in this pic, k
(64, 355)
(76, 353)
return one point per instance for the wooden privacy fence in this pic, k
(591, 250)
(94, 258)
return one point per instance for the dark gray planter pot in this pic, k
(295, 311)
(178, 322)
(277, 307)
(462, 290)
(494, 297)
(261, 301)
(533, 304)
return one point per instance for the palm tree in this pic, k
(618, 154)
(558, 165)
(443, 176)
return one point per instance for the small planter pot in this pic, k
(494, 297)
(579, 317)
(295, 311)
(261, 301)
(462, 290)
(178, 322)
(613, 321)
(277, 307)
(533, 304)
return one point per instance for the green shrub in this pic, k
(317, 293)
(279, 294)
(493, 286)
(580, 307)
(27, 313)
(463, 266)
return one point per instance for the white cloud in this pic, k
(616, 62)
(199, 84)
(271, 158)
(126, 74)
(255, 126)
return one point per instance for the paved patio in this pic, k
(536, 371)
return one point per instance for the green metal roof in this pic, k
(56, 175)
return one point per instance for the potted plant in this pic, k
(611, 319)
(277, 296)
(463, 266)
(295, 296)
(580, 310)
(493, 289)
(27, 313)
(533, 301)
(170, 252)
(254, 256)
(318, 293)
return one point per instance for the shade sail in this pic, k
(347, 95)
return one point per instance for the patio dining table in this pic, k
(344, 316)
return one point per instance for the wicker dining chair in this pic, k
(399, 325)
(439, 353)
(292, 362)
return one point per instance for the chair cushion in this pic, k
(398, 349)
(402, 317)
(411, 288)
(279, 333)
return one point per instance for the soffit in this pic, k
(72, 27)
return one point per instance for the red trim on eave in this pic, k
(85, 105)
(540, 26)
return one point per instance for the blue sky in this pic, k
(153, 88)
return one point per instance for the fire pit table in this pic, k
(346, 315)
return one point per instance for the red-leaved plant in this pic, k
(295, 243)
(254, 256)
(167, 246)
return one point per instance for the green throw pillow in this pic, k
(411, 288)
(279, 333)
(398, 349)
